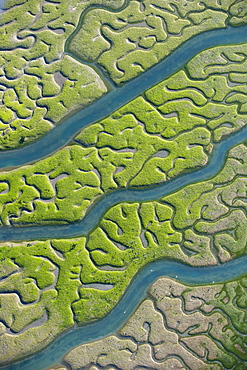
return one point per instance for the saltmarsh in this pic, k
(170, 129)
(126, 43)
(52, 284)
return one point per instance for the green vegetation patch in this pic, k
(39, 282)
(126, 43)
(168, 130)
(39, 82)
(57, 189)
(47, 286)
(200, 327)
(215, 209)
(202, 224)
(129, 236)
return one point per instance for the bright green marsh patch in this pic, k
(39, 83)
(168, 130)
(46, 287)
(126, 43)
(53, 284)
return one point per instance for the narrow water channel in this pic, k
(107, 104)
(61, 135)
(148, 193)
(133, 296)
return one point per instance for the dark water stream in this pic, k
(107, 104)
(62, 134)
(132, 298)
(148, 193)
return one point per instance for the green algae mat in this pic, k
(58, 57)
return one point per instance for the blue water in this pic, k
(134, 294)
(1, 5)
(150, 193)
(62, 134)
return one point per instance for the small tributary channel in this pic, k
(61, 135)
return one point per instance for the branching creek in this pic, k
(63, 134)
